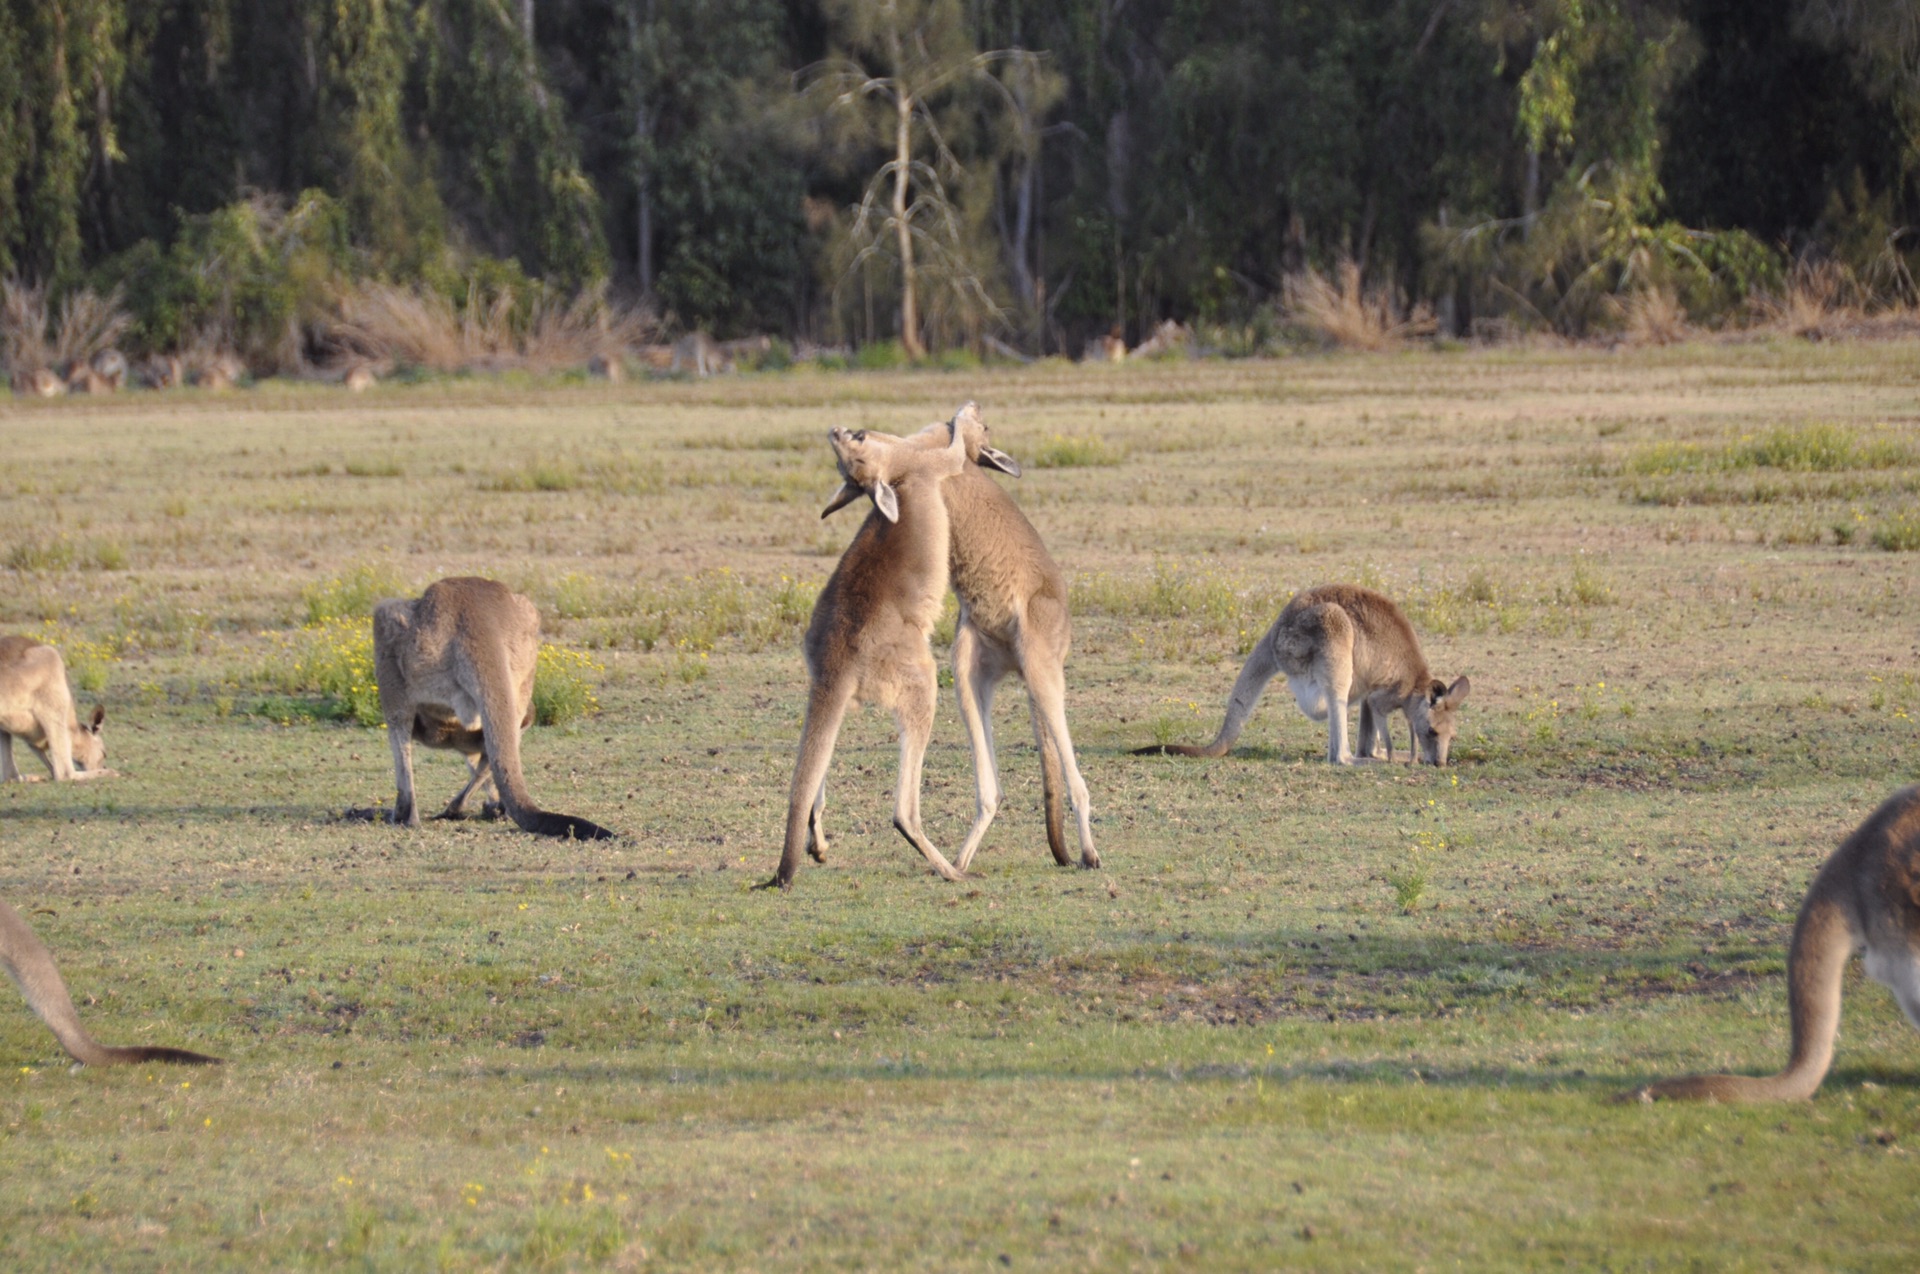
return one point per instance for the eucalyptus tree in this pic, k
(900, 62)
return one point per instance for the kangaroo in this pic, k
(868, 638)
(30, 965)
(36, 705)
(1864, 900)
(1013, 618)
(455, 670)
(1338, 644)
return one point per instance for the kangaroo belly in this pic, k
(1309, 694)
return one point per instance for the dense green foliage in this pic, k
(1071, 166)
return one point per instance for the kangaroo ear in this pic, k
(846, 495)
(99, 715)
(1436, 691)
(1457, 692)
(994, 458)
(886, 501)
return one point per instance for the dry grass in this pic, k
(32, 339)
(1654, 316)
(1822, 300)
(23, 327)
(415, 328)
(1352, 316)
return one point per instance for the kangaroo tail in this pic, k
(1259, 669)
(500, 734)
(1053, 788)
(30, 965)
(1824, 939)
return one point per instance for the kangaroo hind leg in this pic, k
(826, 709)
(913, 714)
(977, 673)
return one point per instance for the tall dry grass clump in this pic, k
(1822, 299)
(1343, 312)
(590, 324)
(1655, 316)
(89, 324)
(23, 327)
(415, 327)
(32, 337)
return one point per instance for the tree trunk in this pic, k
(526, 19)
(642, 144)
(643, 181)
(902, 158)
(1018, 251)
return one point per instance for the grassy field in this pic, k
(1305, 1017)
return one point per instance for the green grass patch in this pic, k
(1898, 534)
(351, 596)
(1304, 1017)
(1074, 451)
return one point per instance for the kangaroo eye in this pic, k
(859, 435)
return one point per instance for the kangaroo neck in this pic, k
(921, 533)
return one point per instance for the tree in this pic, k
(910, 58)
(60, 64)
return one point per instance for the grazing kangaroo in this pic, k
(1864, 900)
(1013, 618)
(868, 638)
(1339, 644)
(36, 705)
(455, 670)
(30, 965)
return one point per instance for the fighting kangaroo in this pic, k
(1339, 644)
(455, 670)
(1865, 900)
(868, 638)
(1013, 618)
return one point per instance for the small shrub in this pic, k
(1063, 451)
(1409, 886)
(350, 596)
(41, 555)
(1655, 316)
(1346, 314)
(1900, 535)
(563, 684)
(1586, 587)
(1787, 449)
(334, 657)
(880, 356)
(87, 662)
(536, 475)
(577, 596)
(957, 360)
(776, 357)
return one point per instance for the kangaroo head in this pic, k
(1434, 714)
(978, 439)
(874, 464)
(89, 750)
(974, 437)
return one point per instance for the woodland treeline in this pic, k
(945, 173)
